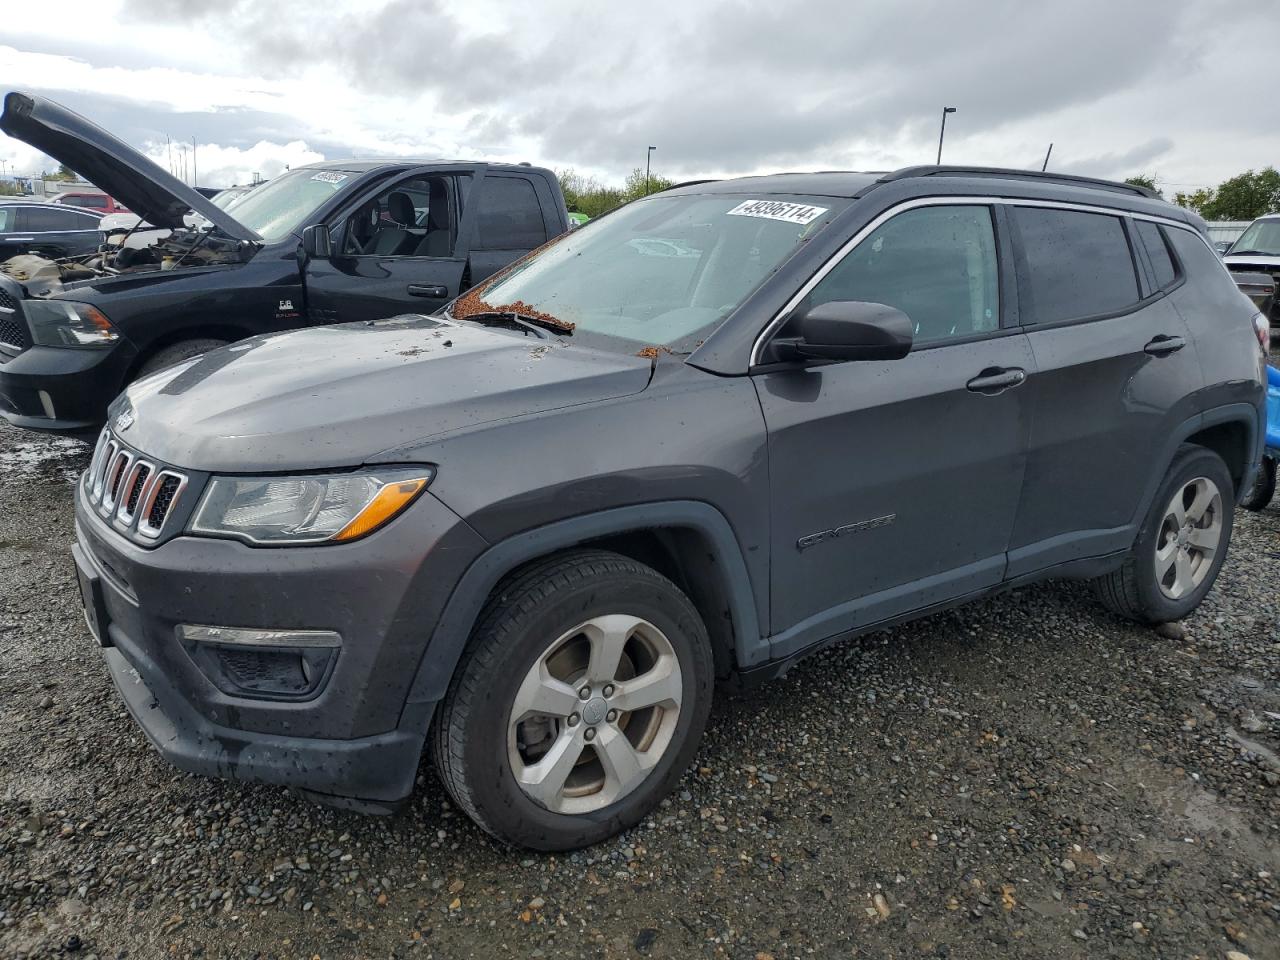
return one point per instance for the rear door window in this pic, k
(1078, 265)
(1158, 252)
(508, 216)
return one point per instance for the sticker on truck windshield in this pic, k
(778, 210)
(326, 177)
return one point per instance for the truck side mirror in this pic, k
(316, 243)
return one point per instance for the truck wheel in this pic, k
(1264, 486)
(578, 703)
(176, 353)
(1181, 545)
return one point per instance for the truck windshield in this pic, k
(660, 273)
(1261, 238)
(284, 204)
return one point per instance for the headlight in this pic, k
(65, 323)
(324, 508)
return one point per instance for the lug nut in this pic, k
(585, 693)
(608, 690)
(611, 716)
(573, 719)
(590, 734)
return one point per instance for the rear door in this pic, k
(894, 484)
(1116, 372)
(55, 232)
(424, 271)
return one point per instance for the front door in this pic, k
(402, 249)
(894, 483)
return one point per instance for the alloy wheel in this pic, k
(594, 714)
(1190, 537)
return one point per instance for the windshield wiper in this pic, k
(537, 325)
(1251, 253)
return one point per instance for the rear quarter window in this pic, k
(1078, 264)
(1158, 252)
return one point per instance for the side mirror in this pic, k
(847, 330)
(316, 243)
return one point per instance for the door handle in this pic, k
(1163, 344)
(995, 380)
(436, 291)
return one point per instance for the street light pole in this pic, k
(943, 132)
(647, 154)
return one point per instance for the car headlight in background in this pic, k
(65, 323)
(321, 508)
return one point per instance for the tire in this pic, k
(527, 634)
(1154, 590)
(176, 353)
(1264, 486)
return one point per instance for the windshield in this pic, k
(659, 273)
(224, 198)
(284, 205)
(1262, 237)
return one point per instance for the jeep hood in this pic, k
(337, 396)
(157, 196)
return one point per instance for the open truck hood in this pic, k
(157, 196)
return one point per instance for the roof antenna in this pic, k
(1045, 166)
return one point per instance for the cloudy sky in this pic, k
(1174, 87)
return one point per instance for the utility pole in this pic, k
(1045, 166)
(195, 179)
(648, 153)
(943, 132)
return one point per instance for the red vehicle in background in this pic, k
(98, 202)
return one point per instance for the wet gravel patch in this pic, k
(1027, 776)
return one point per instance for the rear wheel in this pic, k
(1264, 486)
(1181, 545)
(177, 352)
(579, 703)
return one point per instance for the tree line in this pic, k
(1246, 196)
(586, 194)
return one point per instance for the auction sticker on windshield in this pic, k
(778, 210)
(326, 177)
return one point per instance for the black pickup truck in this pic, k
(325, 243)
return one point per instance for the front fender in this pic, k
(435, 670)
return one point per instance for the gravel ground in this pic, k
(1027, 776)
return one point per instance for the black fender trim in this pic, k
(1244, 413)
(435, 670)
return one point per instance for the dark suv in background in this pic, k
(700, 437)
(343, 240)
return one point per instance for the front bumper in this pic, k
(73, 385)
(357, 741)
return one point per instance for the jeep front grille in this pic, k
(136, 495)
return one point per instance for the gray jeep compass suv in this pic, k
(703, 436)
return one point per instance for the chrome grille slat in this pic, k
(138, 495)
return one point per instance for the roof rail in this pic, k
(687, 183)
(1009, 173)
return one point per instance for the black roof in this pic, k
(841, 183)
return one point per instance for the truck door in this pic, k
(401, 247)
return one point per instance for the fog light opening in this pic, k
(268, 664)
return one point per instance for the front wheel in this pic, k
(1181, 545)
(578, 704)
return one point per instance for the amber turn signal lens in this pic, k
(386, 503)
